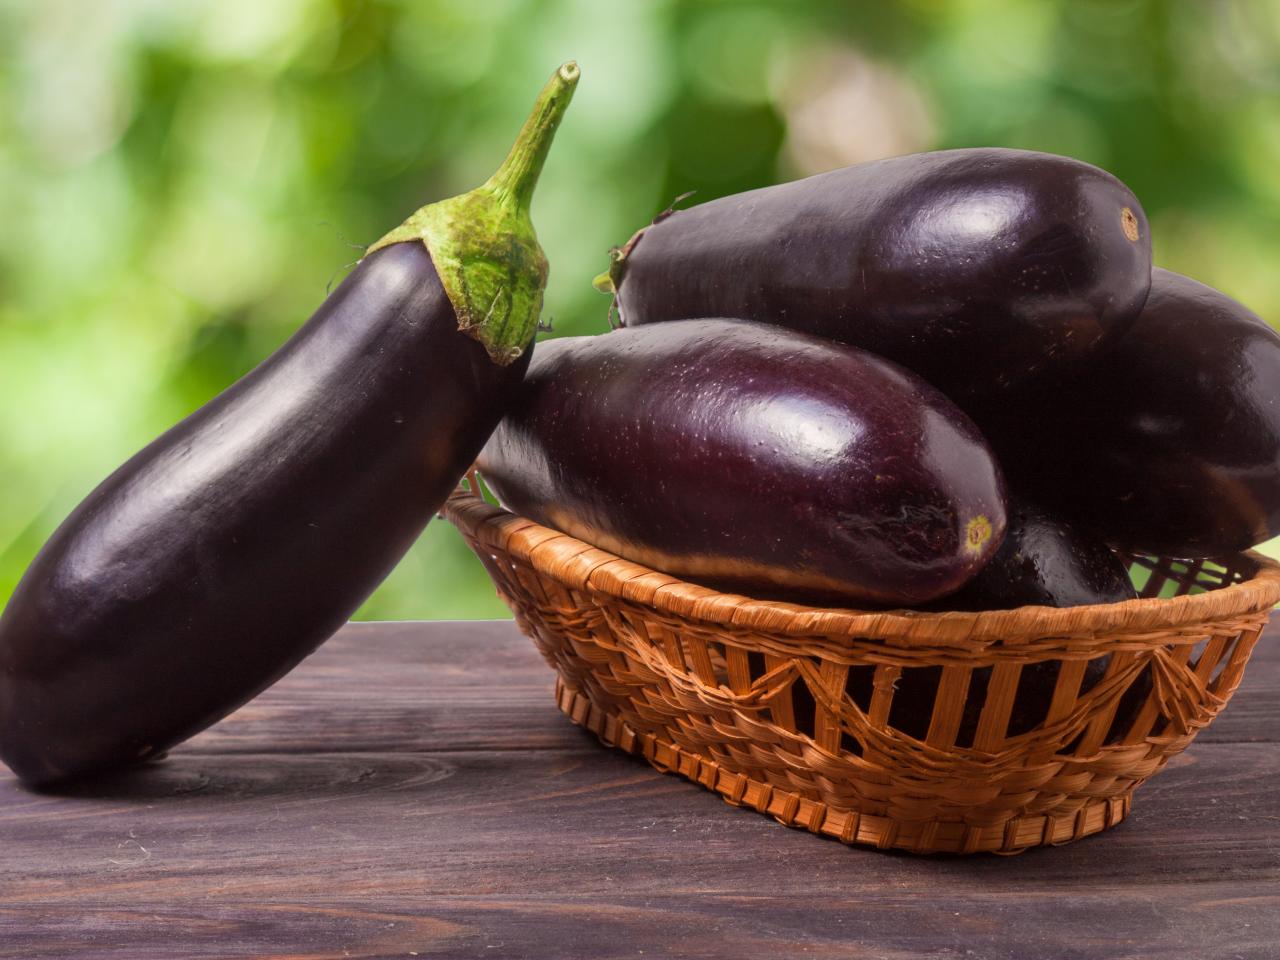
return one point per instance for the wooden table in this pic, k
(411, 790)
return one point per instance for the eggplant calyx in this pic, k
(611, 280)
(604, 282)
(483, 244)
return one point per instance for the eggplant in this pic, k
(1168, 442)
(1046, 562)
(215, 559)
(978, 268)
(751, 459)
(1043, 561)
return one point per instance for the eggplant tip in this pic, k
(976, 533)
(569, 70)
(1129, 223)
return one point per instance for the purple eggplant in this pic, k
(977, 269)
(1043, 561)
(224, 552)
(1168, 442)
(752, 459)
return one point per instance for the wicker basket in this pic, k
(785, 708)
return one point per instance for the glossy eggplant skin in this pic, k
(1043, 561)
(224, 552)
(751, 459)
(1047, 562)
(975, 268)
(1168, 442)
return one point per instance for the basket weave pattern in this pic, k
(785, 708)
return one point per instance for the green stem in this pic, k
(482, 243)
(518, 175)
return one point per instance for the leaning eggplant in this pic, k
(975, 268)
(219, 556)
(1169, 441)
(752, 459)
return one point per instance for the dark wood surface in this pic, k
(411, 790)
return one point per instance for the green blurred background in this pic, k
(183, 182)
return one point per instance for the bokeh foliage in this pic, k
(182, 182)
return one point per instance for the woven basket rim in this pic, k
(581, 566)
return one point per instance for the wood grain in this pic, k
(411, 790)
(398, 687)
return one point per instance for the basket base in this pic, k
(848, 826)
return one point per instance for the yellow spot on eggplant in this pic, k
(976, 533)
(1129, 221)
